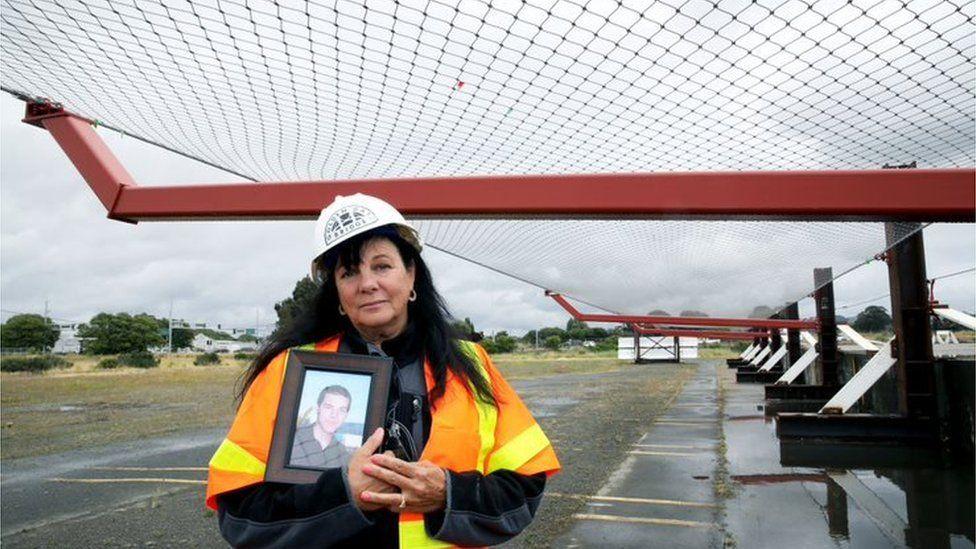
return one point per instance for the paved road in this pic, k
(662, 495)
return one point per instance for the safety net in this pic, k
(307, 90)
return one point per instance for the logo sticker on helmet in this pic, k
(345, 221)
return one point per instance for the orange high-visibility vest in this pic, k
(465, 435)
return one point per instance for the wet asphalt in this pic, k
(662, 494)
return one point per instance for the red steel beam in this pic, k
(91, 156)
(684, 320)
(876, 195)
(710, 334)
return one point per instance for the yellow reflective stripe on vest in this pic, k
(413, 535)
(487, 414)
(231, 457)
(306, 347)
(519, 450)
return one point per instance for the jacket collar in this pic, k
(403, 349)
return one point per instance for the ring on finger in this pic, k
(403, 501)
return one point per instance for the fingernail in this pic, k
(367, 469)
(365, 496)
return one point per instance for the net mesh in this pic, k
(721, 268)
(293, 90)
(338, 90)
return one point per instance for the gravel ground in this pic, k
(591, 418)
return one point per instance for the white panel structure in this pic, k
(756, 360)
(857, 338)
(774, 360)
(747, 350)
(789, 376)
(860, 383)
(808, 338)
(657, 348)
(958, 317)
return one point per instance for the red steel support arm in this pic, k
(684, 320)
(710, 334)
(866, 195)
(91, 156)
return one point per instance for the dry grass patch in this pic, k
(44, 414)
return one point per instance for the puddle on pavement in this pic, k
(550, 406)
(839, 495)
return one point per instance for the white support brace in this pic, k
(755, 351)
(857, 338)
(863, 380)
(748, 350)
(958, 317)
(773, 360)
(789, 376)
(809, 339)
(762, 354)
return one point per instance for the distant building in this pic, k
(208, 344)
(68, 341)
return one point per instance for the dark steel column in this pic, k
(837, 523)
(915, 372)
(792, 311)
(824, 298)
(775, 339)
(637, 351)
(926, 498)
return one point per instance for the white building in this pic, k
(209, 345)
(68, 341)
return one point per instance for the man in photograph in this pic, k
(317, 444)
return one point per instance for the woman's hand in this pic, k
(423, 485)
(360, 482)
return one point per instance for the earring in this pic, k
(413, 295)
(342, 311)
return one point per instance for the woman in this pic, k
(464, 462)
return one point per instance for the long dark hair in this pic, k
(428, 313)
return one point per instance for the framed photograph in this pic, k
(330, 403)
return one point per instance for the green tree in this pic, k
(553, 342)
(658, 312)
(551, 331)
(29, 331)
(577, 329)
(872, 319)
(464, 327)
(761, 311)
(108, 334)
(596, 333)
(182, 338)
(290, 309)
(693, 313)
(500, 343)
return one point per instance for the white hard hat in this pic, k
(349, 216)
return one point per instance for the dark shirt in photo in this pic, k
(307, 452)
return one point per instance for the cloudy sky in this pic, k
(58, 247)
(346, 90)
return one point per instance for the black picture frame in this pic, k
(299, 364)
